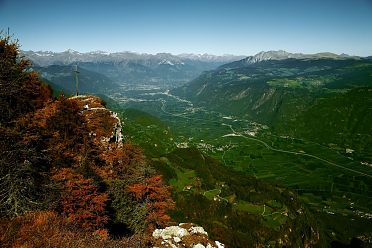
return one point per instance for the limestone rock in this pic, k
(184, 235)
(169, 232)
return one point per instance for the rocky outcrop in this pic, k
(117, 135)
(184, 235)
(106, 123)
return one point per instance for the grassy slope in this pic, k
(342, 118)
(233, 207)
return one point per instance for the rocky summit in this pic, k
(184, 235)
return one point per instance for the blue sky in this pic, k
(191, 26)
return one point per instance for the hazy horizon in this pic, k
(212, 27)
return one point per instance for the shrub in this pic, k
(82, 203)
(158, 200)
(127, 210)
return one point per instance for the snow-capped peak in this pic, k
(280, 55)
(72, 51)
(99, 52)
(165, 62)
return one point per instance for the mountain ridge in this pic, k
(68, 56)
(63, 77)
(282, 55)
(128, 68)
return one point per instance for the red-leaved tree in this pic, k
(157, 197)
(81, 201)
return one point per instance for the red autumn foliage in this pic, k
(82, 203)
(66, 131)
(157, 197)
(48, 229)
(132, 155)
(101, 121)
(113, 155)
(38, 93)
(120, 161)
(102, 234)
(21, 91)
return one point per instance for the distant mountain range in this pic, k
(45, 58)
(125, 68)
